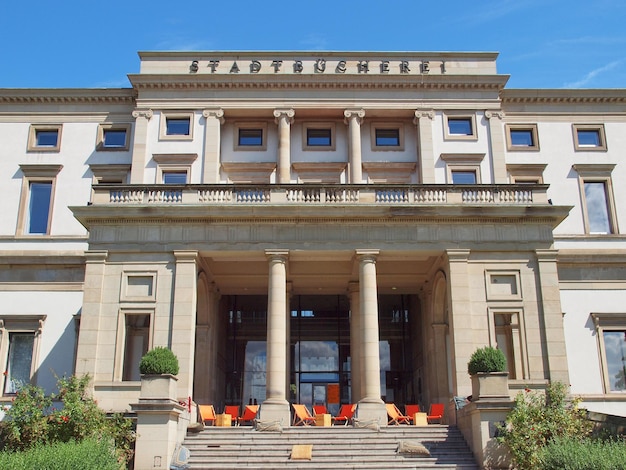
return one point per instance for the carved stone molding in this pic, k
(356, 114)
(144, 113)
(286, 114)
(424, 113)
(490, 113)
(216, 113)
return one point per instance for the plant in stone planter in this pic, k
(487, 359)
(487, 367)
(159, 361)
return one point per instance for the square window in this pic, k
(113, 137)
(460, 126)
(463, 177)
(387, 137)
(44, 138)
(589, 137)
(177, 126)
(250, 137)
(318, 138)
(522, 137)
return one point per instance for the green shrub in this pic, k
(486, 359)
(586, 454)
(26, 420)
(90, 454)
(536, 419)
(158, 361)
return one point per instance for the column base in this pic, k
(371, 410)
(275, 410)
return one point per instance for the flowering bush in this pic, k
(537, 419)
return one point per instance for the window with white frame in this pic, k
(611, 334)
(113, 137)
(589, 137)
(37, 199)
(522, 137)
(459, 126)
(387, 136)
(176, 126)
(19, 349)
(596, 191)
(44, 138)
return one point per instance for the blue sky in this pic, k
(83, 43)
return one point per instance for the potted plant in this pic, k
(487, 367)
(158, 368)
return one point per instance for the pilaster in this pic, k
(496, 135)
(140, 139)
(424, 120)
(214, 118)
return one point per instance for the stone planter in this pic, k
(161, 386)
(490, 385)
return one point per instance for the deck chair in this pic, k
(233, 411)
(435, 413)
(249, 414)
(395, 417)
(410, 411)
(302, 415)
(344, 415)
(207, 414)
(319, 410)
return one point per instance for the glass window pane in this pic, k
(388, 137)
(39, 207)
(597, 207)
(522, 137)
(177, 126)
(19, 361)
(47, 138)
(175, 178)
(590, 137)
(318, 137)
(114, 138)
(615, 352)
(464, 177)
(252, 137)
(460, 126)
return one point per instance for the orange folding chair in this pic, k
(207, 414)
(345, 413)
(410, 411)
(435, 413)
(233, 411)
(319, 410)
(249, 414)
(302, 416)
(395, 417)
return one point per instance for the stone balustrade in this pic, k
(216, 194)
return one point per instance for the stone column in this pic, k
(355, 341)
(424, 120)
(212, 137)
(184, 318)
(88, 339)
(140, 139)
(497, 141)
(354, 118)
(460, 320)
(284, 119)
(276, 407)
(550, 307)
(370, 406)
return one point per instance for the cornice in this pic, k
(67, 96)
(563, 96)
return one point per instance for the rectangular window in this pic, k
(114, 138)
(44, 138)
(522, 137)
(19, 361)
(250, 137)
(39, 207)
(463, 177)
(459, 126)
(318, 137)
(387, 137)
(589, 137)
(615, 353)
(137, 330)
(174, 177)
(597, 206)
(177, 126)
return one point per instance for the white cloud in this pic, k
(588, 78)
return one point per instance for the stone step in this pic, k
(333, 447)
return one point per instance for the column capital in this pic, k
(96, 256)
(216, 113)
(490, 113)
(287, 114)
(144, 113)
(367, 255)
(459, 255)
(355, 114)
(277, 255)
(185, 255)
(423, 113)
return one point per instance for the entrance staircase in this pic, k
(334, 447)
